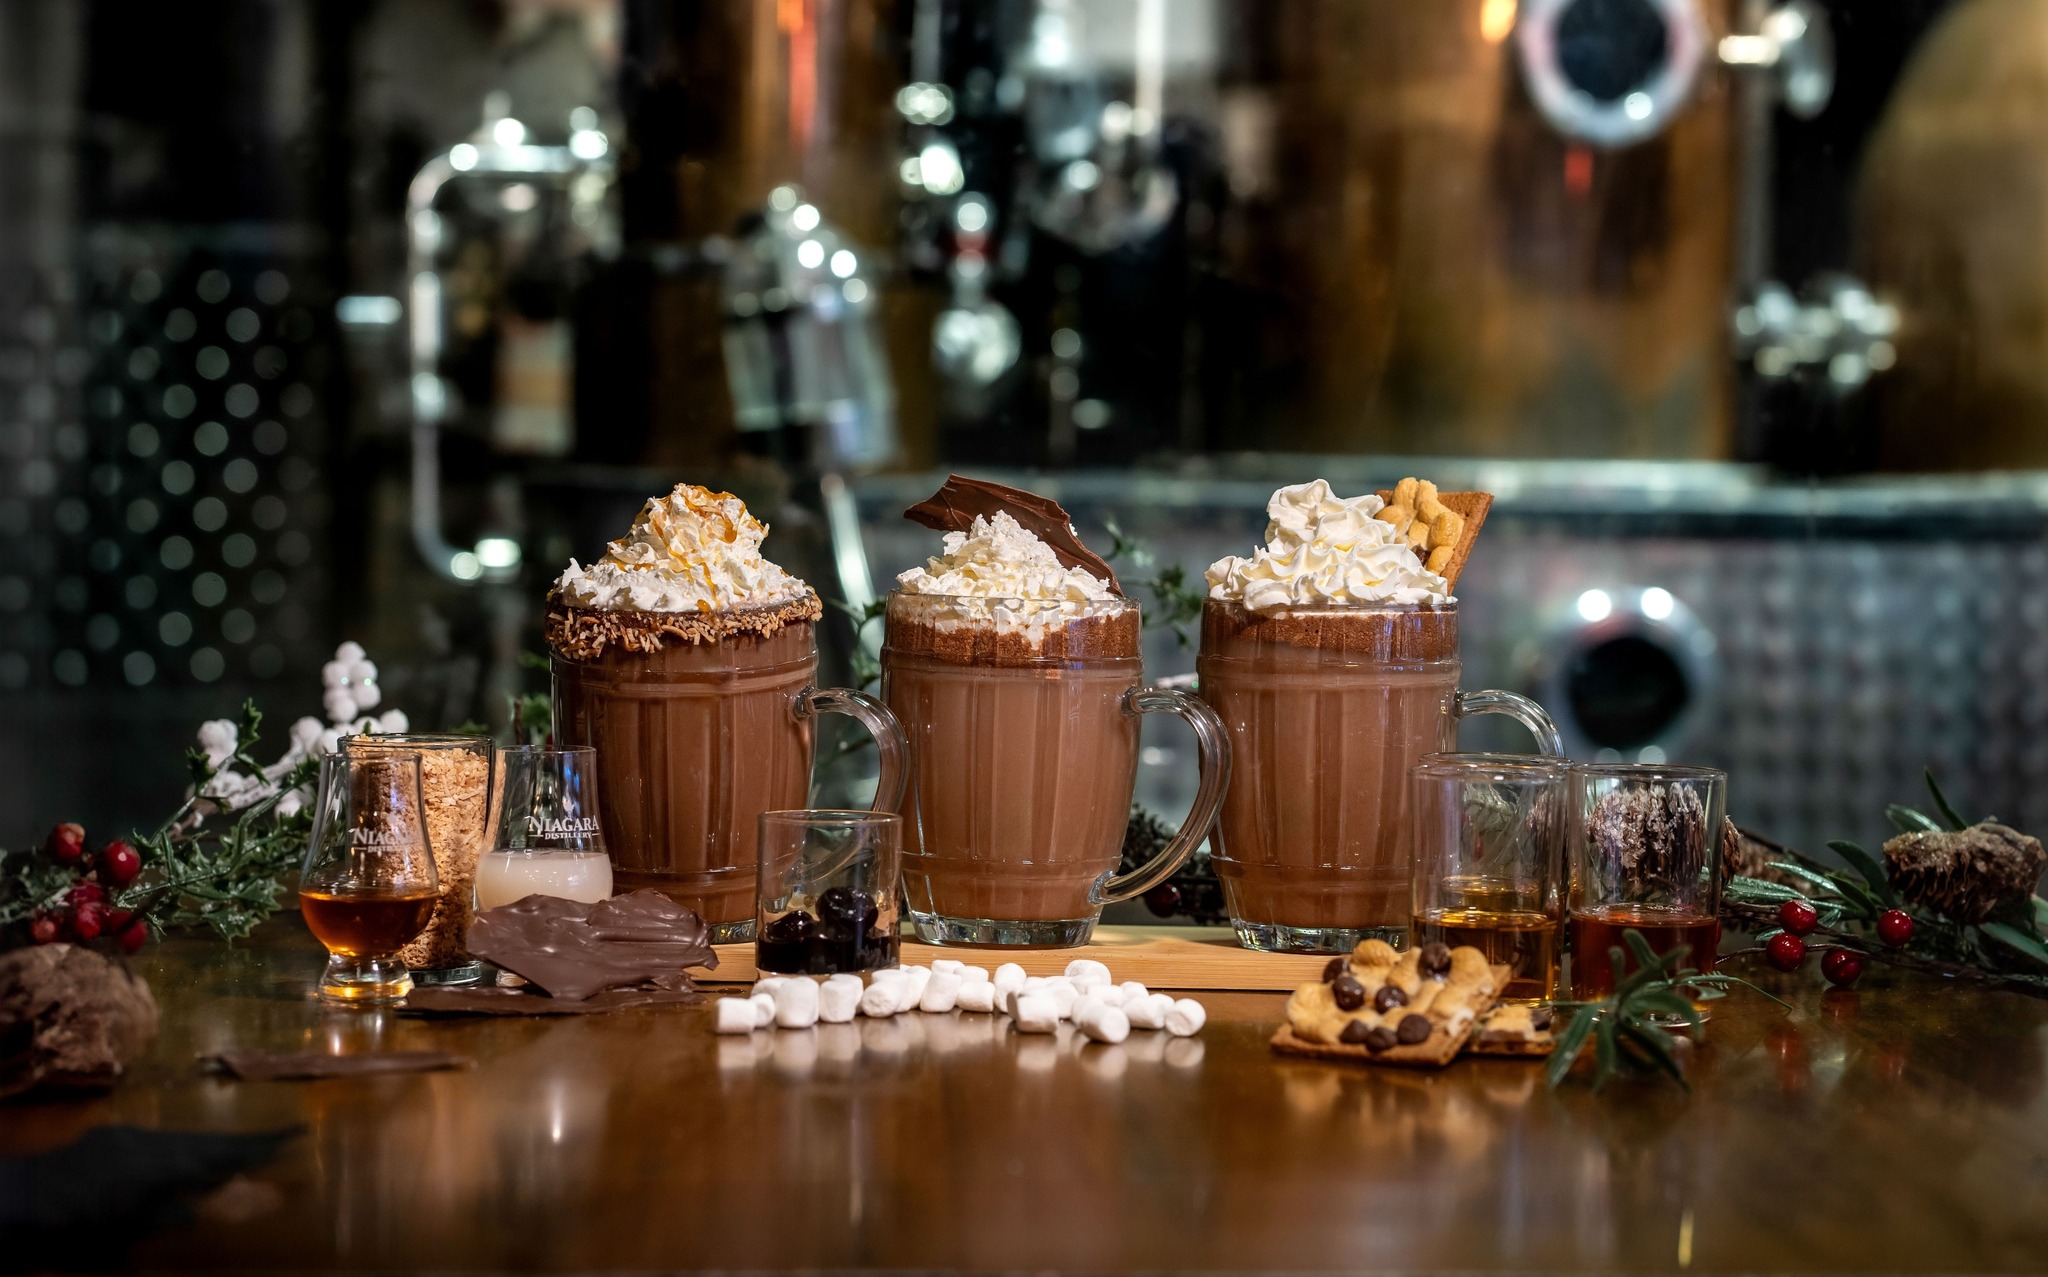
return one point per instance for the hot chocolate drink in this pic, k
(1331, 656)
(687, 660)
(1017, 677)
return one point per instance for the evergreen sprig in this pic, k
(1623, 1027)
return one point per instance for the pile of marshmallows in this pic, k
(1086, 995)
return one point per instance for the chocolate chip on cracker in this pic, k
(1389, 997)
(1412, 1029)
(1348, 992)
(1355, 1033)
(1435, 959)
(1332, 969)
(1381, 1039)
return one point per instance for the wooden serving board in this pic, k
(1159, 957)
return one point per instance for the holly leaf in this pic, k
(1866, 864)
(1908, 820)
(1941, 803)
(2014, 938)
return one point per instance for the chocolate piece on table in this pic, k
(1412, 1029)
(489, 1000)
(575, 950)
(954, 507)
(296, 1066)
(1389, 997)
(1348, 993)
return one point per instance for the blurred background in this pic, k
(348, 319)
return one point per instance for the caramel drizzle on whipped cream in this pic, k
(693, 550)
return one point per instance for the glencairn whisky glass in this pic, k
(369, 885)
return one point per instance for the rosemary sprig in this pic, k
(1627, 1039)
(1176, 604)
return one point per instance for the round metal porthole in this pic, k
(1628, 675)
(1610, 72)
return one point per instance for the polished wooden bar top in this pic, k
(1903, 1126)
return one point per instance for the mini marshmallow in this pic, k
(1102, 1023)
(1009, 977)
(796, 1004)
(735, 1015)
(880, 998)
(1187, 1018)
(1149, 1011)
(1063, 993)
(940, 992)
(764, 1009)
(1028, 987)
(839, 998)
(940, 966)
(919, 977)
(977, 995)
(1087, 973)
(973, 975)
(767, 984)
(1109, 995)
(1037, 1014)
(1133, 989)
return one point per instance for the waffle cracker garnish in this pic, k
(1518, 1029)
(1440, 526)
(1416, 1008)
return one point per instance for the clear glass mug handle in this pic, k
(1212, 744)
(1520, 708)
(870, 713)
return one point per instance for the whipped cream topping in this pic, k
(693, 550)
(1323, 548)
(1003, 574)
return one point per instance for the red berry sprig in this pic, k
(1841, 967)
(85, 912)
(1895, 927)
(1798, 917)
(1786, 951)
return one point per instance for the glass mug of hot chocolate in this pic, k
(1331, 656)
(1021, 705)
(689, 662)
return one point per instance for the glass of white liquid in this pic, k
(548, 840)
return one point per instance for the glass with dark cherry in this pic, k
(828, 891)
(1646, 856)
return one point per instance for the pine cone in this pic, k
(1964, 873)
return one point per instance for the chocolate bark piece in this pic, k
(489, 1000)
(298, 1066)
(957, 503)
(574, 950)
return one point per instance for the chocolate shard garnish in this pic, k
(572, 950)
(955, 506)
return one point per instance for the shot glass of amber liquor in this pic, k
(1645, 856)
(1488, 867)
(368, 886)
